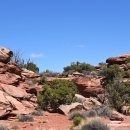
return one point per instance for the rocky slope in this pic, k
(17, 95)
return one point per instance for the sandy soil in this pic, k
(54, 121)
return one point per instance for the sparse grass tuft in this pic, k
(15, 127)
(37, 113)
(104, 111)
(24, 118)
(95, 125)
(76, 114)
(90, 113)
(3, 127)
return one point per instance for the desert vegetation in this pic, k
(29, 64)
(117, 91)
(84, 68)
(56, 93)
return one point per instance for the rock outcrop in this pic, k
(5, 55)
(89, 86)
(118, 59)
(15, 98)
(67, 109)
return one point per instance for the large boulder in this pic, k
(14, 68)
(9, 78)
(31, 88)
(5, 55)
(10, 67)
(88, 86)
(14, 91)
(118, 59)
(4, 105)
(116, 116)
(26, 74)
(67, 109)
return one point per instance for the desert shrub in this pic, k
(127, 74)
(56, 93)
(3, 127)
(79, 67)
(95, 125)
(37, 113)
(104, 111)
(80, 100)
(15, 127)
(49, 73)
(102, 64)
(24, 118)
(118, 94)
(76, 114)
(77, 121)
(31, 82)
(17, 58)
(42, 80)
(116, 90)
(111, 73)
(90, 113)
(31, 66)
(127, 61)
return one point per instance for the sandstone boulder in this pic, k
(118, 60)
(88, 86)
(29, 74)
(116, 116)
(32, 89)
(3, 68)
(13, 68)
(9, 78)
(67, 109)
(14, 91)
(5, 107)
(5, 55)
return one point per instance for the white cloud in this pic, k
(34, 55)
(80, 46)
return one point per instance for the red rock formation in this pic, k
(88, 86)
(118, 59)
(14, 97)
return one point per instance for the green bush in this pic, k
(79, 67)
(95, 125)
(116, 90)
(104, 111)
(25, 118)
(90, 113)
(77, 121)
(17, 58)
(56, 93)
(127, 61)
(3, 127)
(118, 94)
(31, 66)
(111, 73)
(76, 114)
(42, 80)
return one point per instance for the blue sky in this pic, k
(54, 33)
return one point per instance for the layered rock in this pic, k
(5, 55)
(14, 97)
(89, 86)
(118, 59)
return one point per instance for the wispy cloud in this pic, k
(35, 55)
(79, 46)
